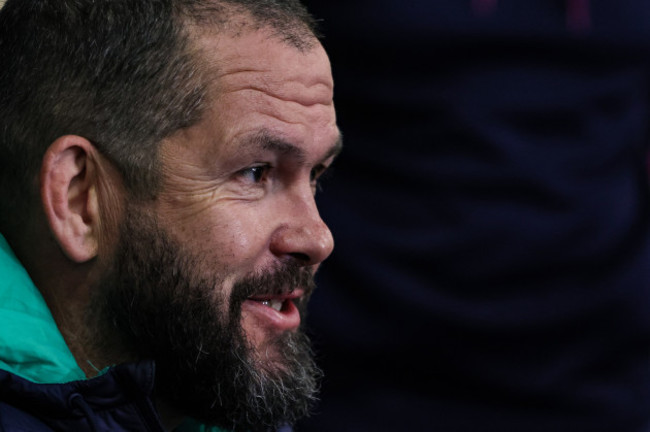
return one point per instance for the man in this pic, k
(159, 160)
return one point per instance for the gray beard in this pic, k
(156, 303)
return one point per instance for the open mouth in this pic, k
(278, 312)
(276, 304)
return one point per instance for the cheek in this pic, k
(234, 237)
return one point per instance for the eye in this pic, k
(254, 174)
(316, 176)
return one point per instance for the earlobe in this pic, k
(68, 184)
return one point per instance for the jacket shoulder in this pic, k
(14, 420)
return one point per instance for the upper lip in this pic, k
(297, 293)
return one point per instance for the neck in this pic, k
(65, 287)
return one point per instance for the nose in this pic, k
(303, 236)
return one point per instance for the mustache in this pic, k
(280, 280)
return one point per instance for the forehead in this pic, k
(260, 60)
(258, 83)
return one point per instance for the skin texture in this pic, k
(239, 186)
(237, 200)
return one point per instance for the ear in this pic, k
(69, 193)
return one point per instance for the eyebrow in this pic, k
(267, 141)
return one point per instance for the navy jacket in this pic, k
(119, 400)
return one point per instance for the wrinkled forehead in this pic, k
(259, 59)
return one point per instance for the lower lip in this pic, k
(288, 318)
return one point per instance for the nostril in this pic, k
(303, 258)
(305, 242)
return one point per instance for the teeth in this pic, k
(273, 304)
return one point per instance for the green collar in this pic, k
(31, 345)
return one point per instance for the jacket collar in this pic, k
(31, 345)
(33, 350)
(119, 400)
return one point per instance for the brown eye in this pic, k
(255, 174)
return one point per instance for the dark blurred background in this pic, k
(491, 217)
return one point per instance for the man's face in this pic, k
(211, 278)
(239, 187)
